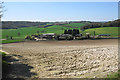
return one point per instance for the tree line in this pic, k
(20, 24)
(115, 23)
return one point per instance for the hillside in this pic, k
(74, 25)
(115, 23)
(59, 28)
(20, 24)
(113, 31)
(22, 32)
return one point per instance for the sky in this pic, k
(60, 0)
(60, 11)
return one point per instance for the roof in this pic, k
(65, 35)
(49, 34)
(104, 35)
(87, 33)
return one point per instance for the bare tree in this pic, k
(18, 34)
(38, 32)
(1, 10)
(11, 37)
(1, 7)
(7, 37)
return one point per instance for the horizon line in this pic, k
(58, 21)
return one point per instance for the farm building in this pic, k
(49, 34)
(104, 35)
(65, 37)
(78, 36)
(41, 37)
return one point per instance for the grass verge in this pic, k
(5, 64)
(10, 41)
(114, 75)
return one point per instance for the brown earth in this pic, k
(63, 59)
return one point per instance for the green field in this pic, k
(75, 25)
(113, 31)
(10, 41)
(33, 30)
(58, 29)
(114, 75)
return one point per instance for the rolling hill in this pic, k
(58, 29)
(113, 31)
(20, 33)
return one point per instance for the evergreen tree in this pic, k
(65, 32)
(69, 31)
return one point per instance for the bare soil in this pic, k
(63, 59)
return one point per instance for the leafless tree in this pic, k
(38, 32)
(18, 34)
(1, 10)
(1, 7)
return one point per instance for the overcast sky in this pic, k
(60, 11)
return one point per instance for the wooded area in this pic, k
(88, 25)
(20, 24)
(115, 23)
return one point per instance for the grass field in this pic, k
(114, 75)
(113, 31)
(58, 29)
(3, 54)
(4, 62)
(10, 41)
(33, 30)
(75, 25)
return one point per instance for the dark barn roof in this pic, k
(104, 35)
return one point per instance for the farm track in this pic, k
(63, 59)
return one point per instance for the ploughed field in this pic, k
(63, 59)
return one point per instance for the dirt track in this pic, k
(63, 59)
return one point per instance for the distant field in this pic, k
(58, 29)
(23, 32)
(113, 31)
(75, 25)
(33, 30)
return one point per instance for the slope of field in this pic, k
(113, 31)
(33, 30)
(74, 25)
(58, 29)
(28, 31)
(23, 32)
